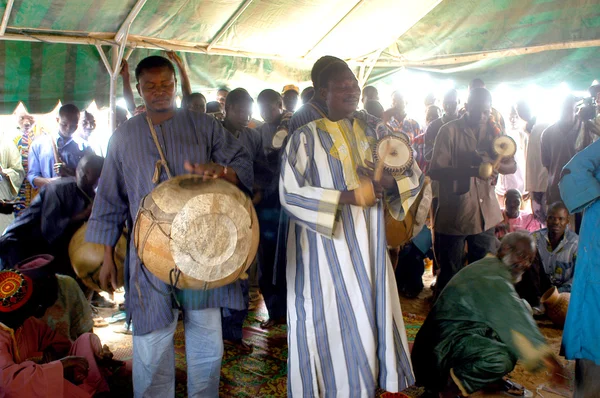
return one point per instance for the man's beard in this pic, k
(516, 270)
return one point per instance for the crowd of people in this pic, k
(324, 267)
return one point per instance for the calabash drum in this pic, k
(556, 305)
(208, 230)
(87, 259)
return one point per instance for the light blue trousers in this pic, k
(154, 357)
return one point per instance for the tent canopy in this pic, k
(49, 53)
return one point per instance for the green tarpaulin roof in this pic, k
(269, 43)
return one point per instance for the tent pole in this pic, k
(228, 25)
(123, 31)
(6, 17)
(113, 90)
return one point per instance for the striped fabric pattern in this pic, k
(127, 178)
(345, 329)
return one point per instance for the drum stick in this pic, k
(380, 163)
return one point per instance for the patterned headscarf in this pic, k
(15, 290)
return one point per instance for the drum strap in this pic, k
(163, 161)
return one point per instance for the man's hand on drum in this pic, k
(208, 171)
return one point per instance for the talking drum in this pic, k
(87, 259)
(207, 230)
(394, 153)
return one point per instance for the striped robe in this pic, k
(346, 335)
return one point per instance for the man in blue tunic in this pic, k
(191, 142)
(57, 155)
(580, 190)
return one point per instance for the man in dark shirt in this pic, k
(450, 106)
(269, 210)
(558, 146)
(468, 209)
(46, 227)
(238, 111)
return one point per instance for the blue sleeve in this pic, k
(111, 203)
(33, 163)
(580, 184)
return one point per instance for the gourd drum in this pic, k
(556, 305)
(206, 229)
(87, 259)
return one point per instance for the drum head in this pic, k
(504, 146)
(395, 152)
(211, 236)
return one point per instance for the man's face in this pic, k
(67, 124)
(26, 123)
(512, 205)
(290, 100)
(479, 112)
(398, 102)
(519, 259)
(88, 123)
(157, 87)
(238, 115)
(557, 221)
(270, 111)
(221, 97)
(343, 93)
(197, 104)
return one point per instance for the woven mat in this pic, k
(263, 373)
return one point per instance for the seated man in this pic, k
(56, 155)
(38, 362)
(478, 328)
(69, 313)
(55, 214)
(554, 264)
(513, 218)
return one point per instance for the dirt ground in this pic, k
(536, 383)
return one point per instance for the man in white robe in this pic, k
(346, 335)
(11, 178)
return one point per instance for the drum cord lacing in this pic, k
(174, 273)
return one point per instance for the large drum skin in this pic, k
(207, 229)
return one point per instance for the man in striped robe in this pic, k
(346, 335)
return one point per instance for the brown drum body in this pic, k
(208, 230)
(87, 259)
(399, 233)
(556, 305)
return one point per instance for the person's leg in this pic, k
(480, 245)
(232, 322)
(87, 345)
(587, 379)
(538, 206)
(479, 361)
(203, 351)
(409, 272)
(266, 261)
(154, 362)
(449, 251)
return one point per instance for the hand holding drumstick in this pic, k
(373, 181)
